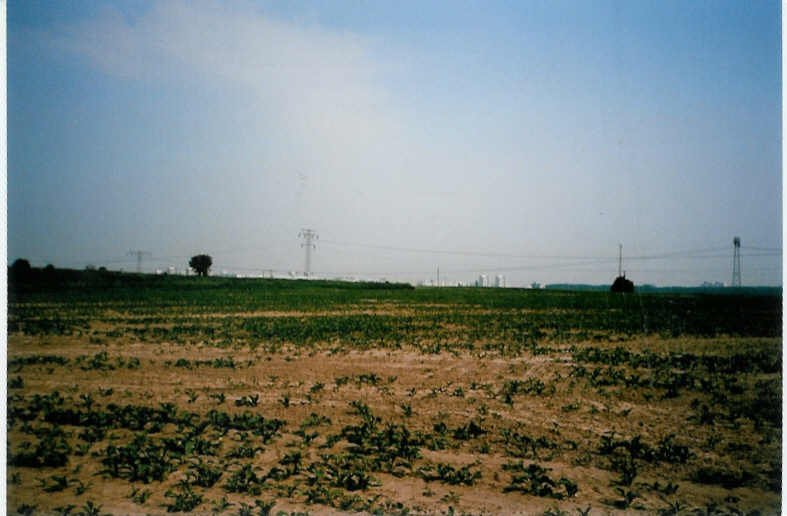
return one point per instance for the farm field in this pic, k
(130, 394)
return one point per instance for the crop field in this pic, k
(136, 394)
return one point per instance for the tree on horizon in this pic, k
(201, 264)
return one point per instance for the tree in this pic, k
(622, 284)
(201, 263)
(20, 270)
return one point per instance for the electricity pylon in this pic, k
(736, 262)
(308, 235)
(139, 255)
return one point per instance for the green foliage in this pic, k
(20, 362)
(16, 383)
(184, 498)
(243, 452)
(221, 505)
(244, 480)
(471, 430)
(727, 478)
(216, 363)
(139, 496)
(201, 264)
(346, 471)
(627, 497)
(246, 421)
(533, 480)
(248, 401)
(143, 459)
(523, 446)
(203, 474)
(384, 443)
(532, 386)
(58, 483)
(449, 474)
(667, 449)
(50, 452)
(90, 509)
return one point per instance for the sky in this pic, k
(527, 139)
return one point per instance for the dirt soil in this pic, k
(559, 426)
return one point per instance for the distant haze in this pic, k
(520, 138)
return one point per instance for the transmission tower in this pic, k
(620, 260)
(139, 255)
(736, 262)
(308, 235)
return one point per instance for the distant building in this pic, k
(482, 281)
(535, 285)
(712, 284)
(500, 281)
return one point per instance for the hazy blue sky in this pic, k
(521, 138)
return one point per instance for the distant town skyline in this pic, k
(522, 139)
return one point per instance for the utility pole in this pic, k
(438, 275)
(308, 235)
(620, 260)
(139, 255)
(736, 262)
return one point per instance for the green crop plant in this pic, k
(16, 383)
(50, 452)
(669, 451)
(19, 362)
(449, 474)
(58, 483)
(511, 388)
(248, 401)
(244, 480)
(345, 471)
(289, 465)
(204, 474)
(143, 459)
(99, 361)
(221, 505)
(307, 437)
(727, 478)
(315, 419)
(26, 509)
(65, 510)
(246, 421)
(184, 498)
(90, 509)
(533, 480)
(471, 430)
(668, 489)
(383, 442)
(627, 467)
(523, 446)
(139, 496)
(81, 488)
(627, 497)
(219, 398)
(244, 452)
(92, 434)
